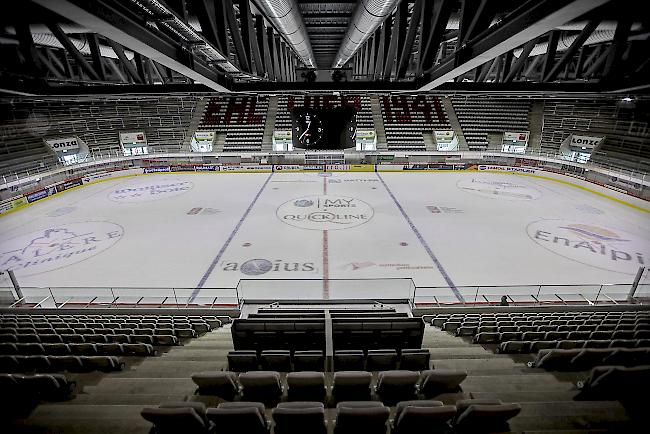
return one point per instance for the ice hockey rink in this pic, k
(317, 235)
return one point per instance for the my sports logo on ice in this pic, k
(596, 246)
(325, 212)
(57, 247)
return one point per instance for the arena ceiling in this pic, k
(149, 46)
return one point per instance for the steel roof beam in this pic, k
(530, 20)
(101, 18)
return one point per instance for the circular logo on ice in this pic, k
(255, 267)
(322, 212)
(593, 245)
(499, 189)
(57, 247)
(150, 190)
(303, 203)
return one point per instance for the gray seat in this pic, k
(175, 420)
(243, 361)
(412, 416)
(349, 360)
(415, 359)
(239, 417)
(435, 382)
(555, 359)
(351, 386)
(198, 407)
(308, 360)
(276, 360)
(479, 416)
(220, 383)
(299, 417)
(261, 386)
(381, 360)
(395, 386)
(353, 419)
(306, 386)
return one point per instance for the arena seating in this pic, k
(85, 343)
(624, 129)
(406, 118)
(480, 118)
(20, 393)
(165, 121)
(240, 119)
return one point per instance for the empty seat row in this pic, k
(49, 387)
(439, 319)
(276, 360)
(382, 360)
(263, 334)
(496, 337)
(53, 338)
(377, 333)
(267, 386)
(64, 329)
(88, 349)
(106, 317)
(370, 417)
(46, 364)
(472, 328)
(524, 347)
(580, 359)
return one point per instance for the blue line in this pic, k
(417, 233)
(217, 258)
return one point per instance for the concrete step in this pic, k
(572, 415)
(515, 383)
(463, 353)
(81, 419)
(174, 386)
(475, 364)
(536, 396)
(123, 399)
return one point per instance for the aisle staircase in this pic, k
(455, 125)
(197, 116)
(269, 126)
(378, 122)
(536, 121)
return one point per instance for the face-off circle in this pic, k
(149, 190)
(499, 189)
(592, 244)
(57, 246)
(325, 212)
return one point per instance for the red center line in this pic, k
(326, 265)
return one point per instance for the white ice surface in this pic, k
(478, 238)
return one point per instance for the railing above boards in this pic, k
(373, 291)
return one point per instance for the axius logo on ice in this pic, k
(57, 247)
(257, 267)
(596, 246)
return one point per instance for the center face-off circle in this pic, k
(325, 212)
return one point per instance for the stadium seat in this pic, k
(395, 386)
(299, 418)
(368, 417)
(415, 359)
(381, 360)
(243, 360)
(306, 386)
(220, 383)
(483, 416)
(276, 360)
(349, 360)
(351, 386)
(175, 420)
(435, 382)
(413, 416)
(239, 417)
(309, 360)
(262, 386)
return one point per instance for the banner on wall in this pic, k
(202, 141)
(65, 144)
(366, 140)
(515, 142)
(282, 140)
(287, 168)
(247, 168)
(350, 168)
(506, 168)
(67, 185)
(585, 141)
(157, 169)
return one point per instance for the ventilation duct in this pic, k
(287, 19)
(368, 16)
